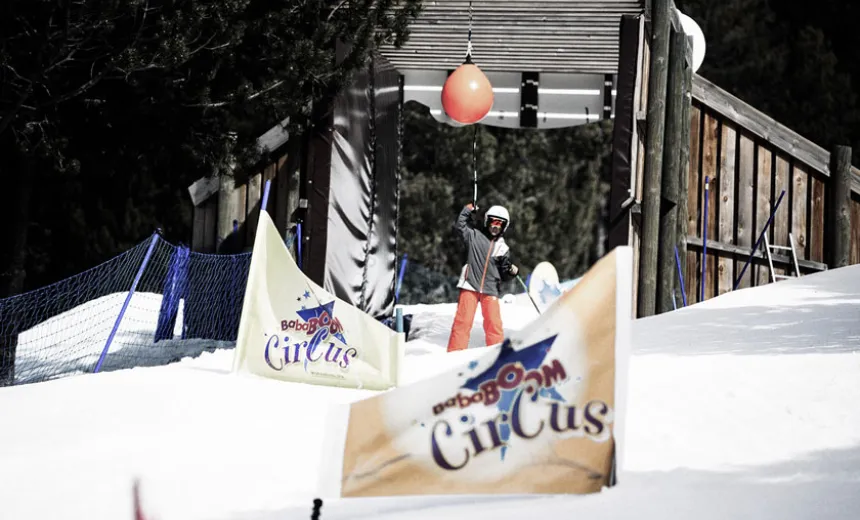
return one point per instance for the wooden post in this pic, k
(228, 207)
(668, 272)
(839, 208)
(684, 160)
(656, 119)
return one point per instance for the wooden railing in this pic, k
(749, 160)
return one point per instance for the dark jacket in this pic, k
(487, 258)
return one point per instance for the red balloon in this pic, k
(467, 95)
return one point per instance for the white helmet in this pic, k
(498, 212)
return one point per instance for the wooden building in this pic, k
(697, 173)
(564, 63)
(226, 211)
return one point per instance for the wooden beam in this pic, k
(652, 176)
(671, 181)
(763, 126)
(742, 253)
(684, 162)
(203, 188)
(274, 138)
(675, 19)
(838, 208)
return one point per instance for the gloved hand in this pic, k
(471, 207)
(513, 270)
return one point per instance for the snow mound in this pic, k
(744, 406)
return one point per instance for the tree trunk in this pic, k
(14, 268)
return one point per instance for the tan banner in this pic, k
(293, 330)
(541, 413)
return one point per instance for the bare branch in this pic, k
(249, 98)
(200, 48)
(219, 47)
(67, 58)
(338, 6)
(13, 112)
(94, 79)
(17, 75)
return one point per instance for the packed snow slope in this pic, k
(745, 406)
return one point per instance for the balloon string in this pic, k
(475, 167)
(469, 39)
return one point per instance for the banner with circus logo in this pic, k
(293, 330)
(540, 413)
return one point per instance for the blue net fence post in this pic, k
(680, 277)
(175, 286)
(400, 279)
(221, 279)
(119, 315)
(266, 196)
(152, 242)
(760, 238)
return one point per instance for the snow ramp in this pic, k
(744, 406)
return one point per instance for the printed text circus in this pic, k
(529, 417)
(312, 351)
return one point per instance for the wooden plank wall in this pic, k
(746, 175)
(205, 226)
(283, 199)
(640, 108)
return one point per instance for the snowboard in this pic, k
(543, 284)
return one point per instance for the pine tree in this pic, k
(108, 110)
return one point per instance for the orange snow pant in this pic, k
(462, 326)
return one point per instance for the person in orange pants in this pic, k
(488, 264)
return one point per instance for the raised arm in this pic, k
(462, 226)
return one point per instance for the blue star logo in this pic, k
(306, 295)
(529, 358)
(317, 312)
(548, 292)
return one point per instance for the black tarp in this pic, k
(362, 197)
(620, 189)
(381, 265)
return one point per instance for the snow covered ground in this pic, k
(70, 343)
(744, 406)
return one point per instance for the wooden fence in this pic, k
(749, 160)
(750, 163)
(226, 212)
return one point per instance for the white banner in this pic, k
(541, 413)
(293, 330)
